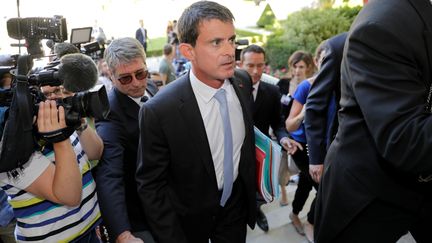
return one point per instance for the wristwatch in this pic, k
(82, 127)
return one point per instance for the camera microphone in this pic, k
(61, 49)
(50, 44)
(78, 72)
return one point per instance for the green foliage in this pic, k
(155, 46)
(305, 30)
(245, 33)
(253, 37)
(349, 12)
(326, 3)
(267, 18)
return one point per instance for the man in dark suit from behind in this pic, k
(182, 172)
(141, 35)
(266, 108)
(322, 103)
(377, 182)
(117, 191)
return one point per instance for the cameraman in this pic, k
(54, 194)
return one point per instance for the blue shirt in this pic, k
(301, 95)
(331, 113)
(6, 211)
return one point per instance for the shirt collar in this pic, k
(138, 100)
(255, 86)
(204, 91)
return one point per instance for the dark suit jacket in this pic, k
(115, 172)
(385, 135)
(325, 87)
(176, 177)
(140, 37)
(267, 110)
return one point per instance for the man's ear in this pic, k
(187, 51)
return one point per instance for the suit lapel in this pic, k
(152, 88)
(259, 98)
(192, 119)
(245, 99)
(128, 105)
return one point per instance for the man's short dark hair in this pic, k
(253, 49)
(195, 14)
(168, 49)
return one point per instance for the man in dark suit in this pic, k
(266, 108)
(115, 174)
(141, 35)
(193, 185)
(323, 100)
(377, 180)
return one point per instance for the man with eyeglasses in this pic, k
(121, 212)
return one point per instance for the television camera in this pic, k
(21, 100)
(240, 44)
(34, 29)
(81, 38)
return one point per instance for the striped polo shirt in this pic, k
(40, 220)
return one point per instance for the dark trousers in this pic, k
(305, 184)
(228, 225)
(146, 236)
(382, 221)
(145, 46)
(90, 237)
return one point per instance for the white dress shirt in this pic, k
(209, 109)
(138, 100)
(255, 89)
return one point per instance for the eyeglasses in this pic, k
(139, 75)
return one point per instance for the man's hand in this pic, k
(290, 145)
(127, 237)
(316, 172)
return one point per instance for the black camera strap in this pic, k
(57, 135)
(18, 131)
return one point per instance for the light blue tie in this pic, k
(228, 147)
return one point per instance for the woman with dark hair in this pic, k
(302, 65)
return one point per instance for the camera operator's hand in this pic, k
(60, 182)
(50, 118)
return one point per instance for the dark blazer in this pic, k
(267, 110)
(325, 87)
(175, 175)
(384, 139)
(115, 172)
(140, 37)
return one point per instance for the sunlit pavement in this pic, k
(280, 228)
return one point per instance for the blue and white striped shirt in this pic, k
(40, 220)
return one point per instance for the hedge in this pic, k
(304, 30)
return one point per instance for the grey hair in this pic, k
(192, 16)
(123, 51)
